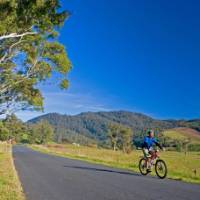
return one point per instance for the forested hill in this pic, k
(94, 124)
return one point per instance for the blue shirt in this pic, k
(149, 142)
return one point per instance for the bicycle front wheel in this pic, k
(143, 166)
(161, 168)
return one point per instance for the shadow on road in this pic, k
(103, 170)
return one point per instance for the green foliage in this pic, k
(63, 135)
(194, 147)
(126, 139)
(42, 132)
(114, 134)
(29, 51)
(178, 145)
(15, 126)
(25, 138)
(121, 137)
(64, 84)
(96, 126)
(4, 132)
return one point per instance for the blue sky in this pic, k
(141, 56)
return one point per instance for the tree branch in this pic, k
(4, 59)
(15, 35)
(29, 73)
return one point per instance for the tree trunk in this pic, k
(114, 146)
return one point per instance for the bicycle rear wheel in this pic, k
(143, 166)
(161, 168)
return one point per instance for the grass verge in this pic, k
(180, 166)
(10, 187)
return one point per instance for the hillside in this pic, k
(194, 124)
(94, 125)
(183, 134)
(182, 138)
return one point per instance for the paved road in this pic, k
(46, 177)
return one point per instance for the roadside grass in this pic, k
(180, 166)
(10, 187)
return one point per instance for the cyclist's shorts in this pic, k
(146, 153)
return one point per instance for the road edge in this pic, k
(16, 176)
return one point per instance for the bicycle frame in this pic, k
(154, 156)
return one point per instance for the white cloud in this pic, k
(66, 103)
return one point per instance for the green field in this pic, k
(183, 134)
(10, 187)
(182, 139)
(181, 166)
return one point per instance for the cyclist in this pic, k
(147, 147)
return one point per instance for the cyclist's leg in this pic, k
(151, 157)
(145, 152)
(151, 152)
(146, 156)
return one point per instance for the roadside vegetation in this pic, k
(11, 128)
(10, 187)
(181, 166)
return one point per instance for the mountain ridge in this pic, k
(94, 125)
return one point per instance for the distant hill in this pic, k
(94, 125)
(183, 134)
(182, 139)
(194, 124)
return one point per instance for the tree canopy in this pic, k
(29, 51)
(13, 128)
(41, 133)
(121, 137)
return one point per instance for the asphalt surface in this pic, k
(47, 177)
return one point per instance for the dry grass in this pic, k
(180, 166)
(10, 187)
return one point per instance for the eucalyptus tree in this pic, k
(120, 136)
(29, 51)
(114, 134)
(126, 139)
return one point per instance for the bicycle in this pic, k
(154, 160)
